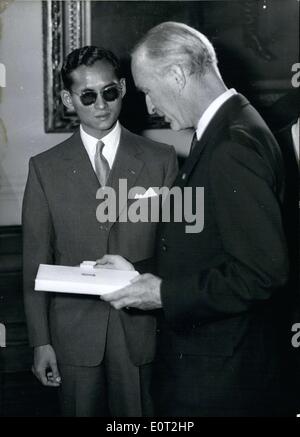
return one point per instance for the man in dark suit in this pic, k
(218, 291)
(98, 356)
(288, 140)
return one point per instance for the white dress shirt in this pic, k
(211, 111)
(110, 148)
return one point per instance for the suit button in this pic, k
(163, 239)
(164, 248)
(193, 326)
(158, 330)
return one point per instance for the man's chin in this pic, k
(105, 125)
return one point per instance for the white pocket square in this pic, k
(149, 193)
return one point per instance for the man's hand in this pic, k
(143, 293)
(115, 262)
(45, 366)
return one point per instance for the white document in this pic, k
(81, 280)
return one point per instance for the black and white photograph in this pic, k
(149, 211)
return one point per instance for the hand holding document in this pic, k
(116, 262)
(112, 277)
(143, 292)
(84, 279)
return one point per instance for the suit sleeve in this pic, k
(37, 249)
(248, 215)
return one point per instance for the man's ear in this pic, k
(67, 99)
(123, 85)
(177, 74)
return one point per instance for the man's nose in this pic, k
(150, 107)
(100, 102)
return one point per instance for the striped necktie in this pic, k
(101, 165)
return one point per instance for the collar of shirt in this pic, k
(211, 111)
(110, 140)
(295, 136)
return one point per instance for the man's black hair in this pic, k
(87, 56)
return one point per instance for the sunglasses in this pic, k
(110, 93)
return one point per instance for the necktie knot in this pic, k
(100, 147)
(193, 143)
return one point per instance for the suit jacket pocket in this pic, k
(218, 338)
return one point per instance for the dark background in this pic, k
(256, 43)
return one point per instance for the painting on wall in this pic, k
(254, 50)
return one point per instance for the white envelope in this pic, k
(80, 280)
(149, 193)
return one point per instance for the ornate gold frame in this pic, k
(66, 26)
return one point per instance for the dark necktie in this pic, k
(101, 165)
(193, 143)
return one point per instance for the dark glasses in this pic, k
(109, 93)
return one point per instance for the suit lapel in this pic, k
(232, 105)
(79, 167)
(127, 165)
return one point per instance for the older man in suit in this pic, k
(288, 139)
(218, 291)
(99, 357)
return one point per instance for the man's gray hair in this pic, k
(172, 43)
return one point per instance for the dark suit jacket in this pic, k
(60, 227)
(291, 225)
(291, 200)
(218, 285)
